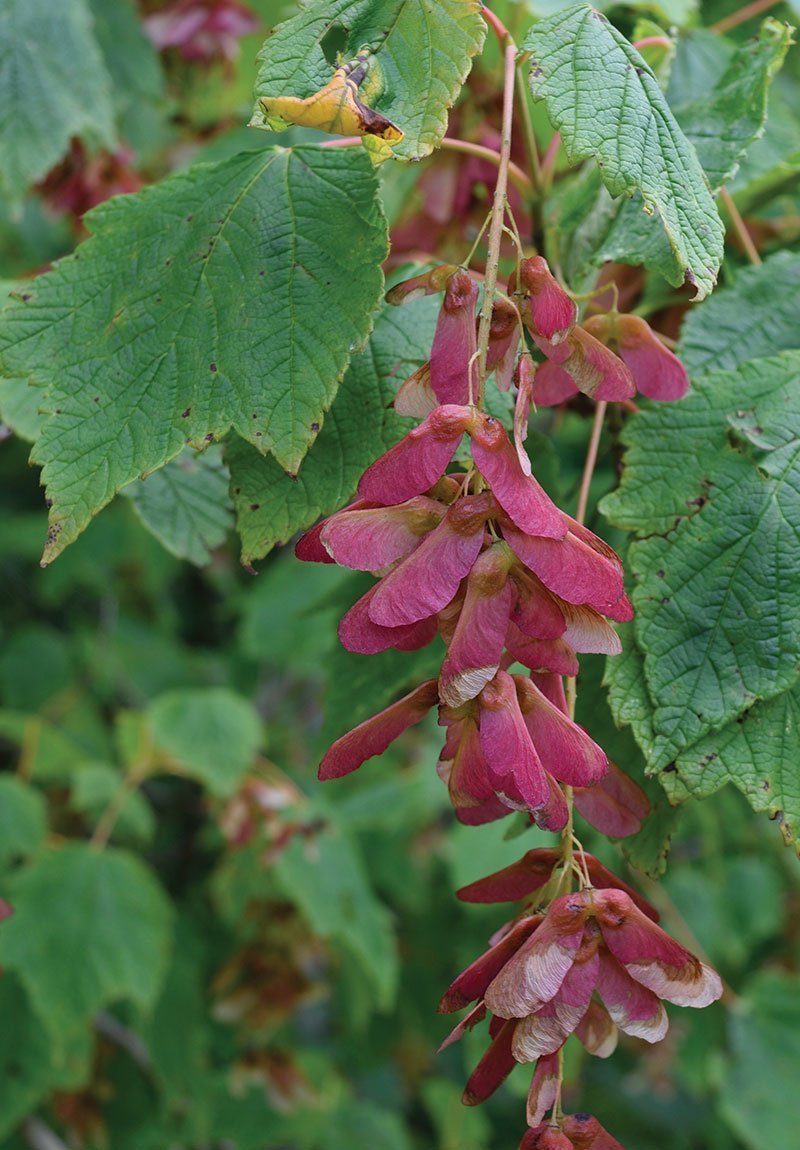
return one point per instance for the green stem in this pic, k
(108, 820)
(568, 834)
(498, 214)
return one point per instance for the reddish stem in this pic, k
(497, 25)
(743, 14)
(591, 460)
(549, 161)
(740, 227)
(341, 142)
(515, 174)
(518, 178)
(653, 42)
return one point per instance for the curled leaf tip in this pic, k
(335, 108)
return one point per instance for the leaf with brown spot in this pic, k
(336, 108)
(400, 68)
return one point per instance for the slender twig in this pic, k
(514, 236)
(528, 134)
(125, 1038)
(557, 1111)
(743, 14)
(498, 27)
(657, 893)
(568, 840)
(549, 162)
(39, 1136)
(498, 212)
(342, 142)
(740, 227)
(571, 686)
(580, 861)
(591, 460)
(515, 174)
(31, 736)
(518, 178)
(653, 42)
(478, 239)
(129, 783)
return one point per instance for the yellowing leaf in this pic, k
(408, 60)
(335, 108)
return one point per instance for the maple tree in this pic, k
(496, 306)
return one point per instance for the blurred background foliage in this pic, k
(253, 960)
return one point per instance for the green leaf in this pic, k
(719, 99)
(735, 907)
(579, 214)
(19, 408)
(361, 685)
(286, 621)
(723, 124)
(362, 1123)
(771, 163)
(19, 403)
(625, 679)
(756, 316)
(326, 877)
(209, 733)
(233, 295)
(649, 848)
(177, 1030)
(31, 1066)
(138, 83)
(36, 664)
(458, 1127)
(45, 99)
(758, 753)
(701, 60)
(48, 754)
(23, 820)
(759, 1096)
(721, 121)
(271, 506)
(593, 713)
(717, 622)
(186, 504)
(420, 55)
(89, 928)
(771, 167)
(677, 12)
(631, 707)
(611, 727)
(660, 52)
(607, 104)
